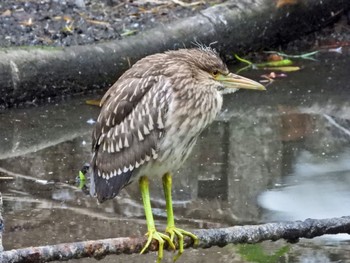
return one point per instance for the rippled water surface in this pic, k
(283, 154)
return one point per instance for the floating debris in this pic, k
(41, 181)
(336, 50)
(90, 121)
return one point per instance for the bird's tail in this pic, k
(103, 188)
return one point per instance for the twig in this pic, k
(183, 4)
(334, 123)
(13, 175)
(6, 178)
(302, 56)
(98, 249)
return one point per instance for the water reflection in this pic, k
(317, 189)
(278, 155)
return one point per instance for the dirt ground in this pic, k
(77, 22)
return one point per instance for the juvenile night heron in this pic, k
(149, 122)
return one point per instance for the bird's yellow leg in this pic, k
(152, 233)
(171, 229)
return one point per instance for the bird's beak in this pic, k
(237, 82)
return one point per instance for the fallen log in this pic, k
(30, 75)
(290, 231)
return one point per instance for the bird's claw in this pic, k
(180, 233)
(161, 238)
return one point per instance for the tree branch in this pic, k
(290, 231)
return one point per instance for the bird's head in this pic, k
(208, 69)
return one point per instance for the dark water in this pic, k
(283, 154)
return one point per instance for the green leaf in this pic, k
(82, 180)
(284, 69)
(243, 60)
(128, 32)
(284, 62)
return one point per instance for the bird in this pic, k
(150, 120)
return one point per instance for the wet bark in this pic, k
(32, 74)
(290, 231)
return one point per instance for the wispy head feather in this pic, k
(204, 47)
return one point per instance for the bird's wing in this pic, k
(125, 136)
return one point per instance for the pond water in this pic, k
(283, 154)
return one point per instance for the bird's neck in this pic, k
(194, 109)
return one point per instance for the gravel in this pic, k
(78, 22)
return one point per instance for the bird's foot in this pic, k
(180, 233)
(161, 238)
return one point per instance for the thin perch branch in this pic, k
(290, 231)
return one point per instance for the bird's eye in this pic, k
(215, 73)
